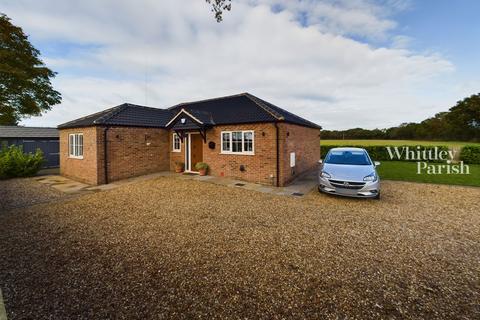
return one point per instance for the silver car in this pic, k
(349, 172)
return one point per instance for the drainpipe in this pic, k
(278, 154)
(105, 160)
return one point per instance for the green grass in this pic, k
(407, 171)
(395, 143)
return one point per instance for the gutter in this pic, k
(278, 154)
(105, 159)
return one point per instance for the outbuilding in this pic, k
(31, 139)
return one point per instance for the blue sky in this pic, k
(342, 64)
(451, 28)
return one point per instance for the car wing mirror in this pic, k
(320, 161)
(377, 163)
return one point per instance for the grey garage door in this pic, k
(50, 149)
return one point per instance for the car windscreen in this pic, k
(347, 157)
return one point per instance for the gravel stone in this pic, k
(23, 192)
(175, 249)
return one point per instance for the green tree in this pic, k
(25, 87)
(219, 6)
(464, 118)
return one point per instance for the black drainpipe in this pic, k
(278, 155)
(105, 160)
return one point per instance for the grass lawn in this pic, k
(395, 143)
(407, 171)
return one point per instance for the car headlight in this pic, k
(325, 175)
(371, 177)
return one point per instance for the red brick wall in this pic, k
(131, 152)
(305, 142)
(259, 168)
(136, 151)
(86, 169)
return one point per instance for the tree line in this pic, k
(460, 123)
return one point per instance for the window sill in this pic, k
(177, 151)
(238, 153)
(74, 157)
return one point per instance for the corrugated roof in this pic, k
(239, 108)
(27, 132)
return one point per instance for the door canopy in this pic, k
(191, 121)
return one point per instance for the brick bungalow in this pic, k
(239, 136)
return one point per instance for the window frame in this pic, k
(243, 152)
(74, 146)
(173, 143)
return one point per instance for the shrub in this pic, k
(380, 153)
(201, 166)
(15, 163)
(179, 164)
(470, 154)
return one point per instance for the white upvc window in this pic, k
(75, 145)
(177, 143)
(237, 142)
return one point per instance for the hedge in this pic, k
(470, 154)
(15, 163)
(380, 153)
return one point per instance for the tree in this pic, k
(25, 87)
(464, 118)
(219, 6)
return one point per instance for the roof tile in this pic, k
(240, 108)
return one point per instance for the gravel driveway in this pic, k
(169, 248)
(16, 193)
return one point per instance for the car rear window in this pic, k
(348, 157)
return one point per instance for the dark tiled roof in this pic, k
(205, 117)
(27, 132)
(188, 125)
(288, 116)
(229, 110)
(240, 108)
(124, 115)
(195, 117)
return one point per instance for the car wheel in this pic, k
(319, 189)
(377, 197)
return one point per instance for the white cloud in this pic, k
(365, 18)
(315, 71)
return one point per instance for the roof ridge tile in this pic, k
(262, 105)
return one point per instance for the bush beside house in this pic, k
(15, 163)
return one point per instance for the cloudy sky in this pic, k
(341, 64)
